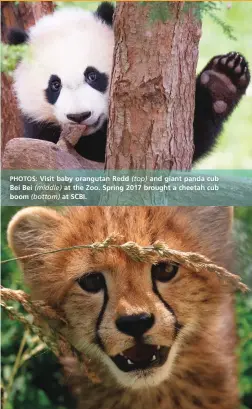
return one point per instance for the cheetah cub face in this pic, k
(132, 320)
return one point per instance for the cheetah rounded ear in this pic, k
(105, 12)
(218, 219)
(17, 36)
(214, 226)
(32, 230)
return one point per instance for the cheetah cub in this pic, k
(157, 336)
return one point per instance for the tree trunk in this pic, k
(152, 89)
(21, 15)
(12, 126)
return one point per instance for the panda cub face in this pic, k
(66, 74)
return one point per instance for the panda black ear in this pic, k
(105, 12)
(17, 36)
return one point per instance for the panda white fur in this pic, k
(65, 78)
(68, 69)
(66, 74)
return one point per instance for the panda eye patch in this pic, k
(92, 76)
(53, 89)
(96, 79)
(55, 83)
(55, 86)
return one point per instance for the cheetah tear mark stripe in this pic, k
(178, 326)
(98, 339)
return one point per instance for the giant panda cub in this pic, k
(66, 76)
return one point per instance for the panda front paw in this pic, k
(226, 77)
(234, 66)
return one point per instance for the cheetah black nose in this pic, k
(135, 325)
(78, 118)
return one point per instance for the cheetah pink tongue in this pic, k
(140, 352)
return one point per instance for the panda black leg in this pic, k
(219, 88)
(41, 130)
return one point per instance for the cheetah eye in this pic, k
(92, 282)
(164, 271)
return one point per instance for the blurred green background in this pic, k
(38, 380)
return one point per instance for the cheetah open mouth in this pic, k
(141, 356)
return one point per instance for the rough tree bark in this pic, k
(22, 15)
(152, 89)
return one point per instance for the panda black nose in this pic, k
(135, 325)
(78, 118)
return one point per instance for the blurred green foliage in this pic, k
(11, 55)
(39, 380)
(161, 11)
(87, 5)
(243, 236)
